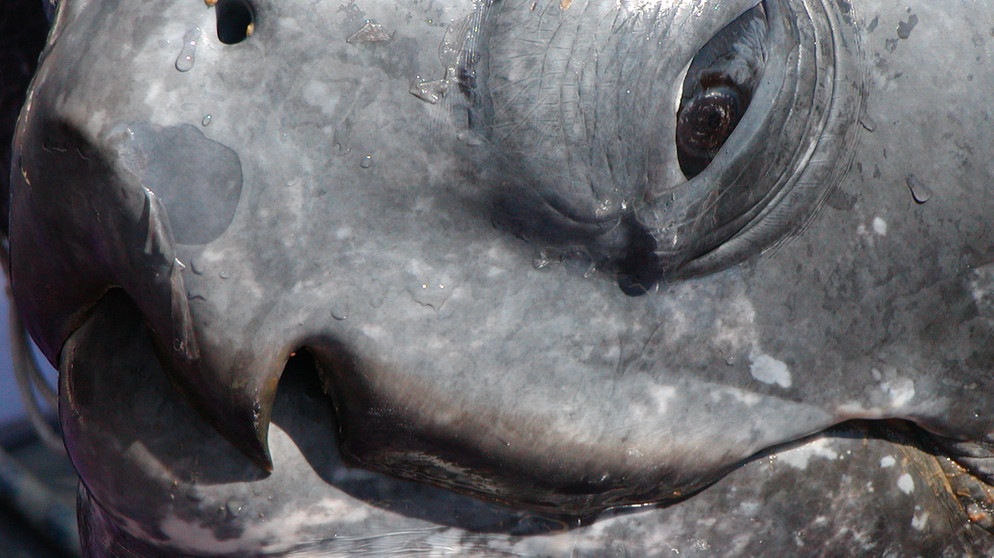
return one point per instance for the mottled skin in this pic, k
(324, 211)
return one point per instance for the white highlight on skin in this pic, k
(906, 484)
(769, 370)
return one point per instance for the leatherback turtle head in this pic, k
(437, 248)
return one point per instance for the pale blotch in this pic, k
(798, 458)
(900, 391)
(880, 226)
(982, 287)
(906, 484)
(662, 395)
(920, 520)
(193, 537)
(721, 394)
(343, 233)
(735, 328)
(769, 370)
(887, 461)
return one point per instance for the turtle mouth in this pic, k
(173, 474)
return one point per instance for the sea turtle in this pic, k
(515, 276)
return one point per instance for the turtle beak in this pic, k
(105, 230)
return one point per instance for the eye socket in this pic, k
(718, 88)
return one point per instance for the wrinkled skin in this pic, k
(387, 248)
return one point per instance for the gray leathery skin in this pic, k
(360, 230)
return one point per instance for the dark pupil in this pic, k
(712, 120)
(703, 125)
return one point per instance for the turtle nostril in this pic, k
(302, 407)
(235, 21)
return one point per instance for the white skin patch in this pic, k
(746, 398)
(880, 226)
(982, 287)
(798, 458)
(920, 520)
(662, 396)
(887, 462)
(769, 370)
(906, 484)
(899, 390)
(194, 537)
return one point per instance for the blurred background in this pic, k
(37, 483)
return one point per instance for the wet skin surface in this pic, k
(450, 271)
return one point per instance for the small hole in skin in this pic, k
(235, 20)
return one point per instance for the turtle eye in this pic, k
(718, 88)
(704, 123)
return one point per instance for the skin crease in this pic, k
(360, 233)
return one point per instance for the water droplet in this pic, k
(429, 91)
(430, 294)
(185, 60)
(470, 138)
(224, 275)
(371, 32)
(919, 190)
(196, 268)
(366, 162)
(579, 263)
(542, 261)
(232, 509)
(606, 208)
(206, 121)
(340, 313)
